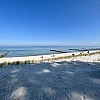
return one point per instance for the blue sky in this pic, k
(49, 22)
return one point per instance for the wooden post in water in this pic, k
(58, 51)
(4, 54)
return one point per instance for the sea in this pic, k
(22, 51)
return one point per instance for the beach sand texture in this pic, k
(72, 79)
(40, 57)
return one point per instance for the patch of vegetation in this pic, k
(98, 59)
(48, 59)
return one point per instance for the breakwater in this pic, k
(4, 54)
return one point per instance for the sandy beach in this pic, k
(70, 79)
(14, 59)
(49, 50)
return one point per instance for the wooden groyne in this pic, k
(58, 51)
(85, 49)
(78, 49)
(4, 54)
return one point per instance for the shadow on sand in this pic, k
(51, 81)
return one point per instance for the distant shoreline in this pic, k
(43, 58)
(38, 50)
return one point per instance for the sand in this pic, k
(70, 79)
(14, 59)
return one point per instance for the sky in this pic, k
(60, 22)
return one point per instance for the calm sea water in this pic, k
(19, 51)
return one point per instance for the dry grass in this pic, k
(48, 59)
